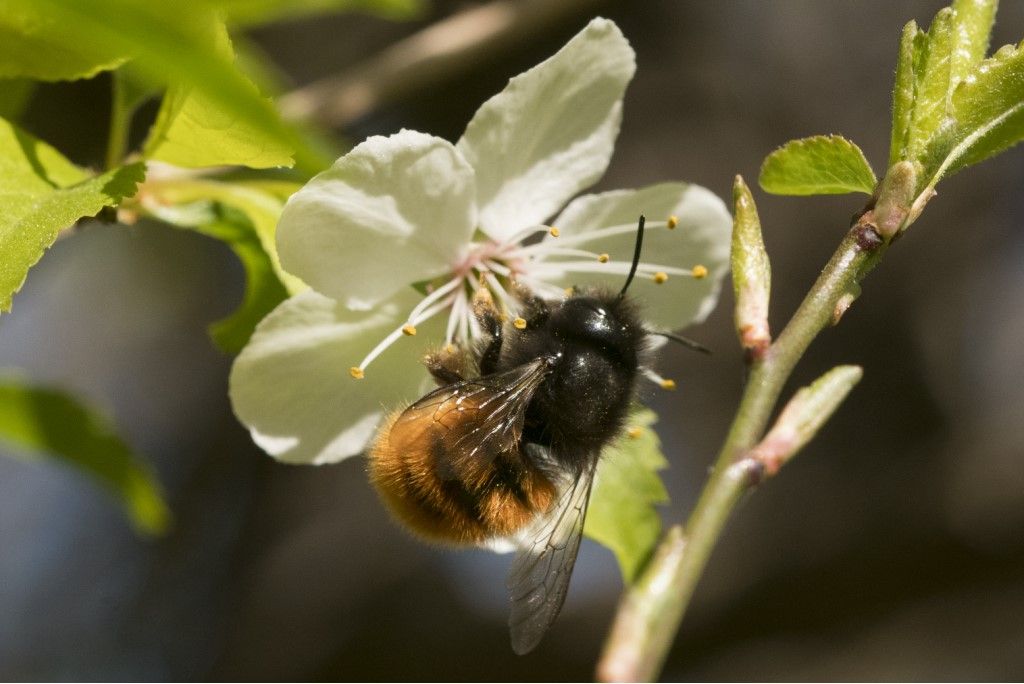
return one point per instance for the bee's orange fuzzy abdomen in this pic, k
(449, 497)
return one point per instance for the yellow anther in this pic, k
(668, 384)
(634, 432)
(451, 349)
(553, 232)
(660, 277)
(356, 372)
(409, 329)
(700, 271)
(569, 291)
(673, 221)
(519, 323)
(603, 258)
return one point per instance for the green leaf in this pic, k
(193, 130)
(43, 193)
(974, 20)
(930, 68)
(626, 487)
(934, 82)
(822, 165)
(37, 45)
(44, 422)
(15, 94)
(988, 111)
(263, 291)
(903, 90)
(170, 44)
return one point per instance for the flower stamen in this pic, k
(664, 383)
(358, 372)
(611, 231)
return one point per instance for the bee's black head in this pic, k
(608, 324)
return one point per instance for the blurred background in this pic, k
(892, 548)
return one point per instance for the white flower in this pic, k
(395, 237)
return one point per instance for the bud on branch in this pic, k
(803, 416)
(751, 273)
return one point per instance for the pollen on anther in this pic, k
(603, 258)
(660, 277)
(569, 291)
(553, 232)
(700, 271)
(672, 222)
(519, 323)
(668, 384)
(356, 372)
(409, 329)
(634, 432)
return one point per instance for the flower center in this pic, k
(497, 265)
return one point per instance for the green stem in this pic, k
(652, 609)
(120, 121)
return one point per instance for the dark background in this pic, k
(893, 548)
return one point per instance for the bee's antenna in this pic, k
(685, 341)
(636, 255)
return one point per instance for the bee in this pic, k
(503, 453)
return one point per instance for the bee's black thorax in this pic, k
(595, 343)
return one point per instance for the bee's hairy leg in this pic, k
(534, 309)
(490, 320)
(447, 364)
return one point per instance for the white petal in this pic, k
(291, 385)
(550, 132)
(702, 237)
(393, 211)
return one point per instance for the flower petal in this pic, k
(391, 212)
(550, 132)
(291, 385)
(701, 237)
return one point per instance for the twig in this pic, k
(439, 52)
(651, 610)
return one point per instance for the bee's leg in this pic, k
(490, 320)
(534, 309)
(447, 364)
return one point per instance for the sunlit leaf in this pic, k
(627, 485)
(170, 43)
(38, 45)
(988, 110)
(42, 193)
(974, 19)
(930, 68)
(43, 423)
(903, 90)
(822, 165)
(192, 128)
(934, 79)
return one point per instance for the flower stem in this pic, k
(120, 120)
(651, 609)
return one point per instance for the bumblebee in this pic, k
(504, 452)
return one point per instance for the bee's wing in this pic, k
(539, 578)
(480, 418)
